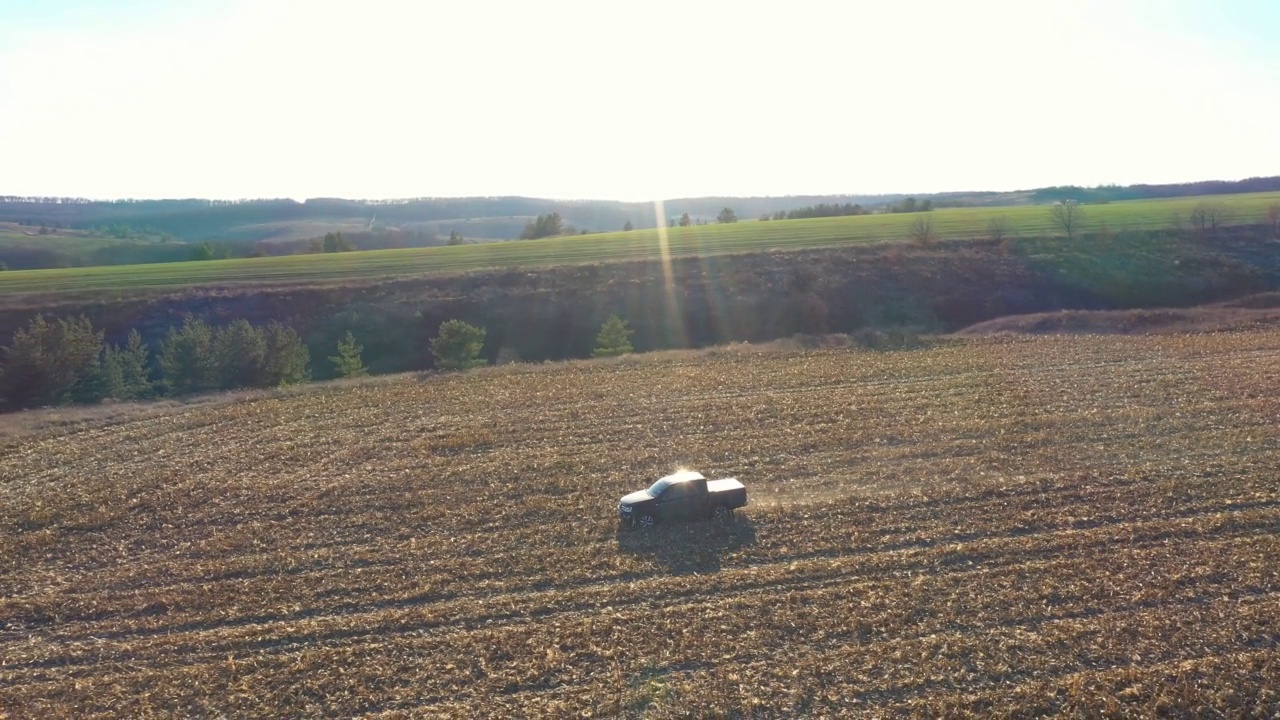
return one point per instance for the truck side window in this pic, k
(676, 491)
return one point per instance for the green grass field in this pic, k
(743, 237)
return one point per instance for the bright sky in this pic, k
(630, 100)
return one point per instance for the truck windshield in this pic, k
(657, 488)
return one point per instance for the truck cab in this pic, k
(685, 495)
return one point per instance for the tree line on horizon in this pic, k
(200, 219)
(819, 210)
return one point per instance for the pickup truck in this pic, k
(686, 495)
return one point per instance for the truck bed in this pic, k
(728, 492)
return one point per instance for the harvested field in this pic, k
(995, 527)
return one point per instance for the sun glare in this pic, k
(668, 277)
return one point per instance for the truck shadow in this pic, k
(694, 547)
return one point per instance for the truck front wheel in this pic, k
(646, 521)
(721, 514)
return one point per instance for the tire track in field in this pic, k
(911, 518)
(867, 698)
(960, 702)
(930, 629)
(846, 570)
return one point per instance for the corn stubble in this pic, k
(1083, 526)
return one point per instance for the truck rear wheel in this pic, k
(721, 514)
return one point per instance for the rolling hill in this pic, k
(703, 241)
(250, 221)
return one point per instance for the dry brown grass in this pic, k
(1226, 317)
(1008, 527)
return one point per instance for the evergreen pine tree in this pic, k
(134, 360)
(614, 338)
(52, 363)
(187, 361)
(287, 358)
(348, 363)
(458, 346)
(241, 350)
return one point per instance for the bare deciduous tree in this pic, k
(1069, 216)
(922, 232)
(998, 228)
(1207, 218)
(1273, 218)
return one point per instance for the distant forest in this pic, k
(197, 220)
(255, 220)
(1113, 193)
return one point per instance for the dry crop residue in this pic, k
(1063, 525)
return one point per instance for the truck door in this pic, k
(673, 504)
(696, 502)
